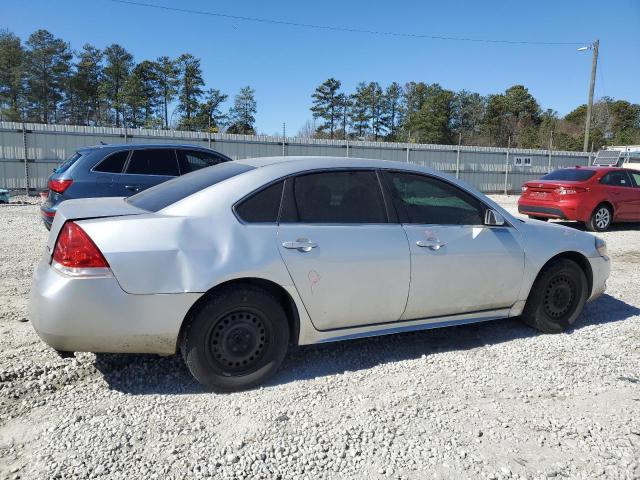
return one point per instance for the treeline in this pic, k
(428, 113)
(43, 80)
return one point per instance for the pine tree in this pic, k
(11, 76)
(118, 66)
(142, 95)
(243, 112)
(210, 117)
(47, 68)
(190, 91)
(375, 101)
(359, 113)
(167, 73)
(326, 103)
(344, 109)
(86, 85)
(392, 113)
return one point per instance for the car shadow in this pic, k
(151, 374)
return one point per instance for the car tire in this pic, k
(542, 219)
(600, 219)
(557, 297)
(236, 339)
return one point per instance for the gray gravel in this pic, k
(495, 400)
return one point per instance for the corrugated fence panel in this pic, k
(483, 167)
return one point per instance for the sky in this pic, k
(284, 64)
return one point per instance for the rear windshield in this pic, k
(167, 193)
(68, 162)
(571, 174)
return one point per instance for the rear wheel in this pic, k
(557, 297)
(237, 339)
(600, 219)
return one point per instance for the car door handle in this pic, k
(433, 245)
(133, 188)
(301, 244)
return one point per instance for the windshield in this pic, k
(167, 193)
(67, 163)
(570, 174)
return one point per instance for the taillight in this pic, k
(569, 190)
(76, 254)
(524, 188)
(59, 186)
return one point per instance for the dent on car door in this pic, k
(148, 167)
(349, 265)
(458, 265)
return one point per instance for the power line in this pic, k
(343, 29)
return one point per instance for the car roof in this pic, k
(595, 168)
(137, 146)
(300, 163)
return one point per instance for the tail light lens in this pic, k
(569, 190)
(59, 186)
(524, 188)
(76, 254)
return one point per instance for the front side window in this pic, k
(335, 197)
(262, 206)
(426, 200)
(192, 160)
(152, 161)
(635, 176)
(114, 163)
(616, 179)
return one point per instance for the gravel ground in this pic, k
(494, 400)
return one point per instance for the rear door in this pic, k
(621, 193)
(348, 263)
(147, 167)
(107, 173)
(458, 265)
(635, 177)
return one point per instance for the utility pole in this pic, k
(592, 84)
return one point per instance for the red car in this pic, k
(597, 196)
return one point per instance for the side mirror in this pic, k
(493, 218)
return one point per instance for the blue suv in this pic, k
(121, 171)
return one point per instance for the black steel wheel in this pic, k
(236, 339)
(557, 297)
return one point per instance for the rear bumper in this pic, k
(570, 209)
(47, 214)
(96, 315)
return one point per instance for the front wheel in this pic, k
(600, 219)
(557, 297)
(237, 339)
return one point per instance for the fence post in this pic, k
(347, 147)
(407, 153)
(209, 139)
(506, 168)
(550, 148)
(25, 152)
(458, 156)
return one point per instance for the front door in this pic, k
(635, 204)
(458, 265)
(349, 265)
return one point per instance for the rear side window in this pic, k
(262, 206)
(616, 179)
(336, 197)
(68, 162)
(114, 163)
(192, 160)
(160, 161)
(570, 174)
(167, 193)
(635, 177)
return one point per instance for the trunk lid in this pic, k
(84, 208)
(548, 189)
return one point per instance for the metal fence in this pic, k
(28, 153)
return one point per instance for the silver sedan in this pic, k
(229, 265)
